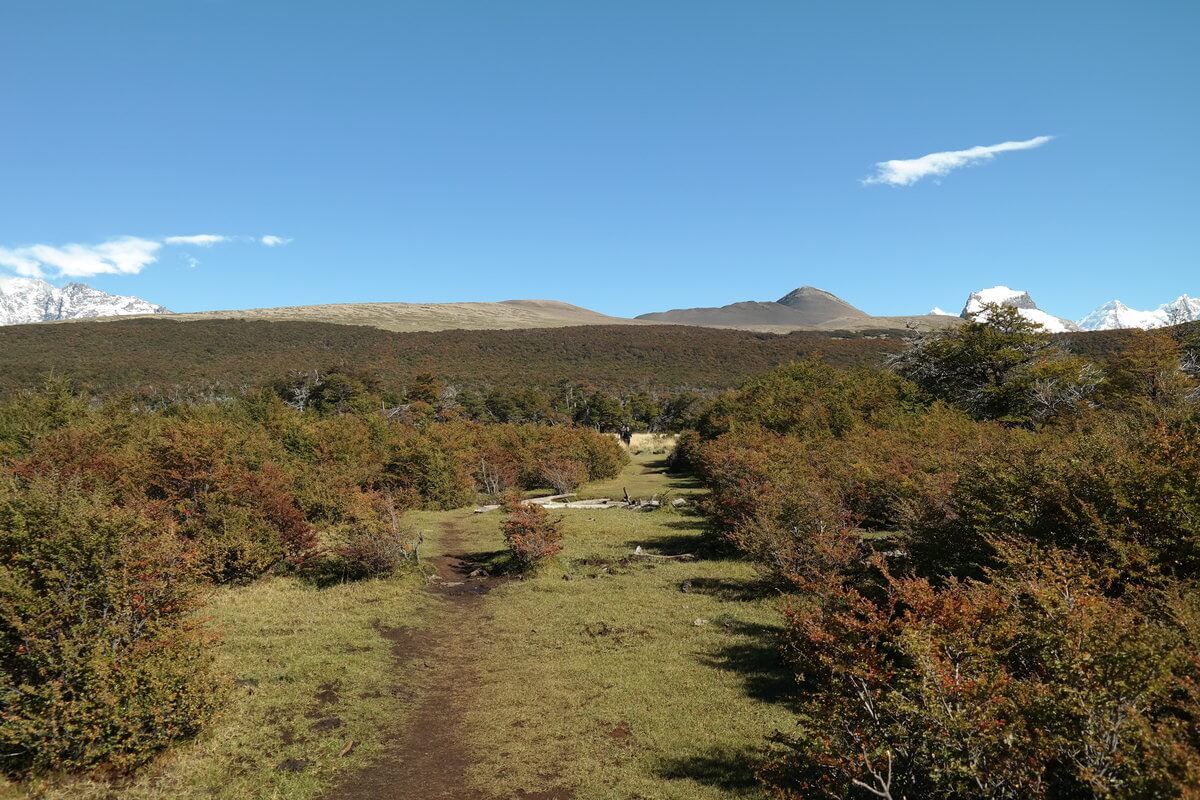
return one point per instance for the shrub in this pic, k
(601, 456)
(1034, 684)
(531, 535)
(372, 543)
(684, 456)
(1125, 496)
(808, 399)
(431, 466)
(101, 662)
(1001, 368)
(1022, 620)
(565, 475)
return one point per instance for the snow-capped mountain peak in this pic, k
(938, 311)
(1180, 310)
(1114, 315)
(998, 295)
(1004, 296)
(24, 300)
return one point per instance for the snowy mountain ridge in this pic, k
(1115, 315)
(25, 300)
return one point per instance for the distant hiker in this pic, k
(626, 435)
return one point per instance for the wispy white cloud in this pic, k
(905, 172)
(200, 239)
(127, 255)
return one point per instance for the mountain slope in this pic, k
(749, 313)
(806, 307)
(818, 305)
(230, 355)
(25, 300)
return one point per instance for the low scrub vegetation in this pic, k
(991, 552)
(988, 553)
(115, 519)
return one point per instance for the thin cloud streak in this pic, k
(199, 239)
(906, 172)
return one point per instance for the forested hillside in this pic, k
(230, 355)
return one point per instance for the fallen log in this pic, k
(640, 553)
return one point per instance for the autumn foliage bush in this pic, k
(529, 531)
(992, 571)
(1035, 683)
(371, 543)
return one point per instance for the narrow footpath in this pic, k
(428, 759)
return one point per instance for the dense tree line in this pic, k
(992, 554)
(114, 516)
(230, 357)
(427, 397)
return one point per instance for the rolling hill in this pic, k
(504, 315)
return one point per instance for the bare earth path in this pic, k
(429, 758)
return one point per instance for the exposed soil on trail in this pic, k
(428, 759)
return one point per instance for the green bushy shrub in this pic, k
(101, 663)
(808, 399)
(434, 469)
(1124, 495)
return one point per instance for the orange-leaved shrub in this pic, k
(993, 584)
(371, 542)
(1034, 683)
(531, 534)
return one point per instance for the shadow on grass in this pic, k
(734, 590)
(730, 770)
(678, 480)
(693, 538)
(756, 658)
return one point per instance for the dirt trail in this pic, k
(429, 758)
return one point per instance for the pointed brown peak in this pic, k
(819, 302)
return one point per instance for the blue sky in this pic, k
(626, 156)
